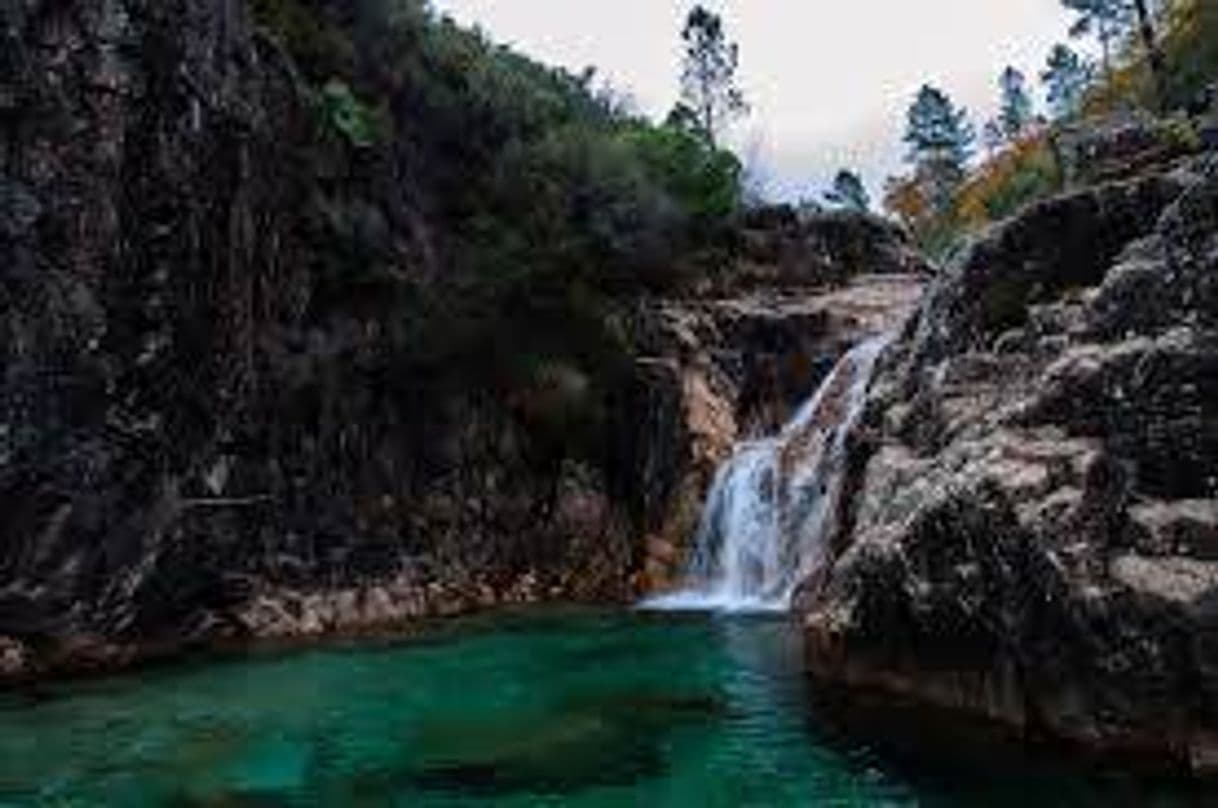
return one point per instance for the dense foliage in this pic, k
(1066, 76)
(1156, 59)
(1025, 170)
(1187, 36)
(533, 207)
(848, 192)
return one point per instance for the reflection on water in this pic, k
(584, 709)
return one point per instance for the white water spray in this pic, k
(771, 507)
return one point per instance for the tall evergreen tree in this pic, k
(708, 78)
(1106, 20)
(848, 192)
(992, 137)
(1015, 114)
(940, 141)
(1066, 76)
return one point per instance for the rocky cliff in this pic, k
(1033, 536)
(205, 433)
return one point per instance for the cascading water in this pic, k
(771, 505)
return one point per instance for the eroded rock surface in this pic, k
(1032, 538)
(722, 370)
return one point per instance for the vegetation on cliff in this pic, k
(541, 202)
(1152, 62)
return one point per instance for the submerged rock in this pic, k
(1032, 538)
(14, 658)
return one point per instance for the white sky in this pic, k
(828, 80)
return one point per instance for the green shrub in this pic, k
(703, 179)
(358, 123)
(537, 208)
(1024, 171)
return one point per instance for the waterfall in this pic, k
(771, 506)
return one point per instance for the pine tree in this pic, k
(1107, 20)
(1066, 77)
(940, 141)
(992, 137)
(708, 80)
(1016, 112)
(848, 192)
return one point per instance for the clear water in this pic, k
(579, 709)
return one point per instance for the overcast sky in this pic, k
(828, 80)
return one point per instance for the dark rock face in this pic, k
(1125, 144)
(772, 348)
(787, 248)
(191, 420)
(1032, 538)
(138, 241)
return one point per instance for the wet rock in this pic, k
(1178, 580)
(1187, 528)
(14, 658)
(728, 369)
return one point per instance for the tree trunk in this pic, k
(1153, 54)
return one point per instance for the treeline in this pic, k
(1158, 58)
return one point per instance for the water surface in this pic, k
(580, 709)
